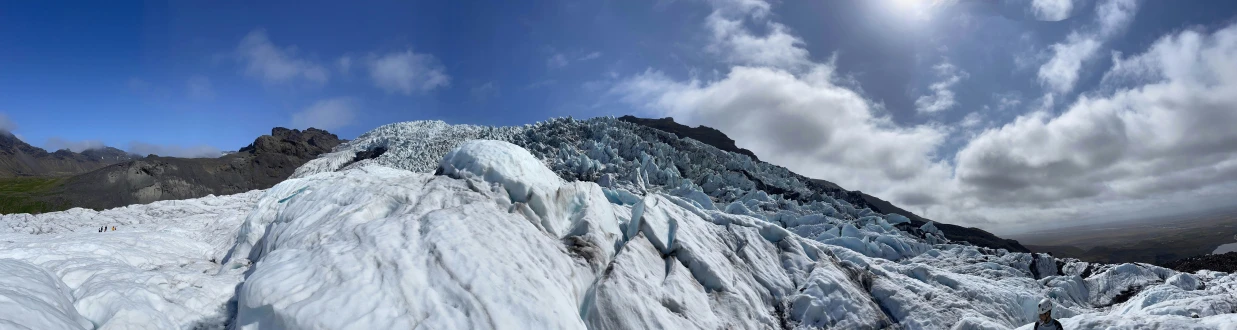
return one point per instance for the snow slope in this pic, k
(560, 225)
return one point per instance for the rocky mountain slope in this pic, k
(264, 163)
(1226, 262)
(708, 135)
(19, 159)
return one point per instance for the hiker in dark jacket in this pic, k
(1046, 322)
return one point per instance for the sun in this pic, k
(910, 9)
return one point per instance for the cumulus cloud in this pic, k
(1171, 136)
(805, 122)
(407, 72)
(273, 65)
(326, 114)
(58, 143)
(1061, 72)
(794, 112)
(1163, 136)
(1051, 10)
(942, 96)
(199, 151)
(199, 88)
(736, 44)
(1114, 16)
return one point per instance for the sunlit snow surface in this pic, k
(566, 225)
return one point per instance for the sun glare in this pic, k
(910, 9)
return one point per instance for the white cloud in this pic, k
(1137, 148)
(1051, 10)
(1062, 71)
(407, 72)
(169, 150)
(56, 143)
(796, 113)
(1114, 16)
(805, 122)
(6, 125)
(199, 88)
(1161, 141)
(557, 61)
(971, 120)
(1008, 101)
(737, 45)
(273, 65)
(942, 97)
(326, 114)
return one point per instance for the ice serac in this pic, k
(566, 225)
(399, 249)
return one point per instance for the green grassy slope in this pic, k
(28, 195)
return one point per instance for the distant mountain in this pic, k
(20, 159)
(717, 139)
(268, 160)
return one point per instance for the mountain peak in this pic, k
(18, 158)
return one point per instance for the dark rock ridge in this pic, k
(20, 159)
(717, 139)
(708, 135)
(1216, 262)
(266, 162)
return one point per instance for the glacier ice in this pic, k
(159, 269)
(565, 224)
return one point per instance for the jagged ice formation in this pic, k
(563, 224)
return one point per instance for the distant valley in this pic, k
(1156, 241)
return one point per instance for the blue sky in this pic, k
(1000, 114)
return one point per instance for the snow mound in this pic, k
(32, 298)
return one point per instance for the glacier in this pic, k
(564, 224)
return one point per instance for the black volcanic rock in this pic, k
(20, 159)
(717, 139)
(1215, 262)
(708, 135)
(267, 161)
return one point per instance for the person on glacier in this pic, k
(1046, 322)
